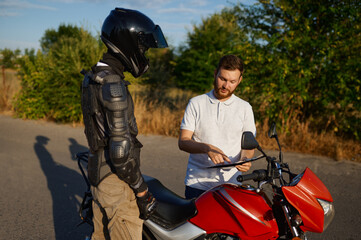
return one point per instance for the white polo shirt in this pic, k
(220, 124)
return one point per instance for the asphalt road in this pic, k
(41, 185)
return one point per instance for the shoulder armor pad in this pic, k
(90, 77)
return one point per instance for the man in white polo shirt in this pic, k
(212, 128)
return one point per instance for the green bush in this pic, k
(9, 58)
(51, 81)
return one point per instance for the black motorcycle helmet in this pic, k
(128, 34)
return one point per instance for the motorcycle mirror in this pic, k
(272, 133)
(249, 142)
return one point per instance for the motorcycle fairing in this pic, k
(303, 196)
(236, 211)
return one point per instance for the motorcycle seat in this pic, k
(172, 210)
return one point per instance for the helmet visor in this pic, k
(159, 37)
(155, 39)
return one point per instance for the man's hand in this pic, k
(186, 143)
(146, 204)
(217, 155)
(244, 167)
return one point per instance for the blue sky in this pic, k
(23, 22)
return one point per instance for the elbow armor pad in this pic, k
(126, 164)
(119, 151)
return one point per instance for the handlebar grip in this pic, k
(246, 177)
(256, 175)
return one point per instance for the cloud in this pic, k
(8, 13)
(145, 4)
(178, 10)
(78, 1)
(191, 7)
(16, 4)
(198, 2)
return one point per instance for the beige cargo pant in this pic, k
(117, 201)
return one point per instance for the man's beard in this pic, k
(218, 91)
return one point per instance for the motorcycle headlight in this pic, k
(329, 212)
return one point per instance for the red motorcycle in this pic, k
(299, 204)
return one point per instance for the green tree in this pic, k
(217, 35)
(311, 62)
(9, 57)
(159, 78)
(51, 82)
(52, 36)
(30, 53)
(160, 73)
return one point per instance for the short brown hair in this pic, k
(230, 62)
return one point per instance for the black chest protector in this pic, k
(103, 94)
(92, 113)
(110, 129)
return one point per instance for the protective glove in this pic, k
(146, 205)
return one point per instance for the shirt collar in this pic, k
(213, 98)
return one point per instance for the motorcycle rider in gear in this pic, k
(111, 128)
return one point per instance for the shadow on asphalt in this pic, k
(66, 186)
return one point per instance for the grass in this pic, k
(154, 117)
(164, 115)
(9, 86)
(300, 138)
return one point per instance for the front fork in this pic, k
(291, 222)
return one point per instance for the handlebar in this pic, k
(238, 163)
(256, 175)
(82, 156)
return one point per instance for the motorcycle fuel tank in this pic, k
(237, 211)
